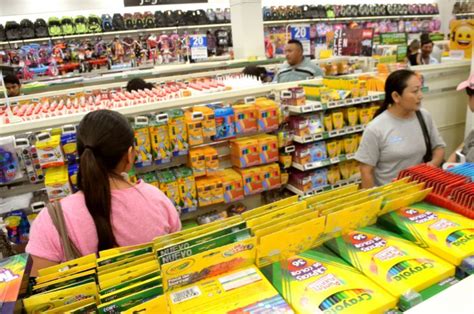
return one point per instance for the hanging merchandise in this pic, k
(27, 29)
(12, 30)
(81, 24)
(67, 26)
(3, 35)
(9, 165)
(118, 22)
(107, 23)
(54, 26)
(94, 24)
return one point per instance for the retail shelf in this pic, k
(115, 33)
(320, 189)
(464, 14)
(326, 135)
(315, 106)
(323, 163)
(21, 189)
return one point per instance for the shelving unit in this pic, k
(327, 135)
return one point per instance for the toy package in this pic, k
(305, 154)
(308, 181)
(9, 164)
(160, 139)
(49, 150)
(178, 132)
(29, 159)
(318, 281)
(57, 183)
(442, 232)
(225, 122)
(69, 143)
(245, 118)
(399, 266)
(142, 141)
(244, 290)
(169, 186)
(14, 284)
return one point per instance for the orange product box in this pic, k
(197, 161)
(271, 178)
(252, 179)
(245, 118)
(217, 191)
(232, 185)
(208, 122)
(245, 152)
(212, 160)
(267, 114)
(194, 122)
(204, 188)
(268, 148)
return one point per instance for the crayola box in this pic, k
(245, 152)
(232, 185)
(208, 264)
(187, 188)
(197, 162)
(194, 127)
(178, 132)
(317, 281)
(442, 232)
(242, 291)
(245, 118)
(49, 150)
(267, 114)
(142, 142)
(169, 186)
(14, 281)
(268, 148)
(403, 268)
(208, 122)
(155, 305)
(160, 139)
(253, 181)
(212, 160)
(271, 176)
(125, 303)
(57, 182)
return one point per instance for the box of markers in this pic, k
(401, 267)
(317, 281)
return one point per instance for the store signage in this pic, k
(393, 39)
(136, 3)
(302, 33)
(461, 37)
(198, 44)
(353, 42)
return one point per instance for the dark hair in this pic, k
(11, 79)
(138, 84)
(425, 39)
(103, 138)
(258, 72)
(469, 91)
(296, 42)
(396, 82)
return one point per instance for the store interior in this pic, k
(264, 175)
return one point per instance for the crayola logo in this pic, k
(344, 300)
(460, 237)
(301, 270)
(365, 242)
(406, 269)
(181, 267)
(418, 216)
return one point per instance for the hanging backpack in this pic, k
(211, 16)
(190, 18)
(54, 26)
(107, 25)
(267, 14)
(13, 30)
(67, 26)
(227, 15)
(160, 19)
(128, 20)
(94, 24)
(149, 19)
(41, 28)
(117, 22)
(81, 25)
(139, 20)
(220, 17)
(27, 29)
(3, 36)
(179, 18)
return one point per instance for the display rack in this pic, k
(338, 184)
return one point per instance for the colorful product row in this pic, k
(319, 151)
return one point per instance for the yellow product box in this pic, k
(70, 267)
(123, 249)
(351, 116)
(178, 132)
(373, 111)
(57, 182)
(363, 91)
(271, 176)
(217, 192)
(194, 127)
(340, 147)
(72, 307)
(160, 139)
(365, 115)
(267, 114)
(130, 262)
(187, 188)
(404, 200)
(338, 120)
(328, 125)
(232, 185)
(399, 266)
(204, 188)
(268, 148)
(286, 160)
(63, 282)
(244, 290)
(278, 213)
(245, 152)
(169, 186)
(339, 192)
(155, 305)
(212, 160)
(112, 279)
(49, 150)
(208, 264)
(332, 149)
(317, 281)
(253, 180)
(351, 144)
(284, 222)
(245, 118)
(265, 209)
(346, 169)
(197, 162)
(442, 232)
(142, 141)
(47, 301)
(334, 174)
(208, 122)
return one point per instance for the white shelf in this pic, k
(328, 134)
(464, 14)
(301, 193)
(323, 163)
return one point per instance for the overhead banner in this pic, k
(137, 3)
(353, 42)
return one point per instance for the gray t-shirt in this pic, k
(391, 144)
(468, 149)
(302, 71)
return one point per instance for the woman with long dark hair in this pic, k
(395, 139)
(108, 211)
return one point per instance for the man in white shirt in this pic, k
(426, 50)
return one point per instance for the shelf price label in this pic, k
(301, 32)
(198, 45)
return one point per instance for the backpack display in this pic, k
(190, 18)
(81, 25)
(117, 22)
(211, 16)
(67, 26)
(3, 36)
(12, 30)
(54, 26)
(169, 18)
(149, 20)
(129, 22)
(27, 29)
(139, 20)
(267, 13)
(94, 24)
(220, 17)
(41, 28)
(179, 18)
(107, 25)
(160, 19)
(227, 15)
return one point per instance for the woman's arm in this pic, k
(367, 175)
(452, 158)
(438, 157)
(40, 263)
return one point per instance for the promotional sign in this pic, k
(198, 45)
(353, 42)
(302, 33)
(135, 3)
(393, 39)
(460, 37)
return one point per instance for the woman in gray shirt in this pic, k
(394, 140)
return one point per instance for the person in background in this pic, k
(258, 72)
(437, 52)
(394, 140)
(138, 84)
(108, 211)
(426, 50)
(13, 85)
(466, 150)
(413, 52)
(297, 67)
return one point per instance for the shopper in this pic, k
(297, 67)
(394, 140)
(108, 211)
(426, 50)
(138, 84)
(466, 150)
(13, 85)
(258, 72)
(414, 52)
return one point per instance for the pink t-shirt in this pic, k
(139, 214)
